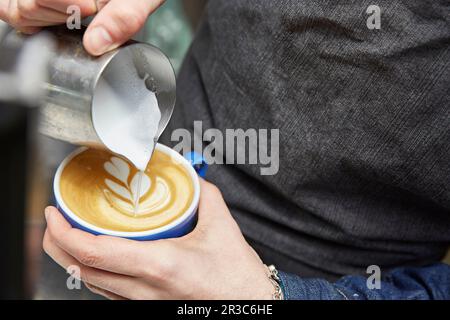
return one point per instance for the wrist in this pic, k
(269, 287)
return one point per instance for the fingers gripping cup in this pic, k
(96, 191)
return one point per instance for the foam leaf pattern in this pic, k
(118, 168)
(145, 185)
(118, 189)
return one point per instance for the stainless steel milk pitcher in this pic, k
(66, 106)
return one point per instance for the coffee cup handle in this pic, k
(198, 163)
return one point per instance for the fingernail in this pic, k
(99, 40)
(47, 213)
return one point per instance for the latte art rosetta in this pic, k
(102, 189)
(125, 195)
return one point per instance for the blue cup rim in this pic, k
(191, 210)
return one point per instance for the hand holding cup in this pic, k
(212, 262)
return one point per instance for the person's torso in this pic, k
(364, 124)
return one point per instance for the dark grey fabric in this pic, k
(364, 127)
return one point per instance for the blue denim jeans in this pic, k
(414, 283)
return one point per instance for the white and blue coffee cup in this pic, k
(192, 162)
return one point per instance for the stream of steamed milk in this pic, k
(127, 122)
(138, 194)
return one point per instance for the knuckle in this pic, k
(27, 7)
(15, 19)
(89, 258)
(163, 271)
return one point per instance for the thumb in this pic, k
(116, 23)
